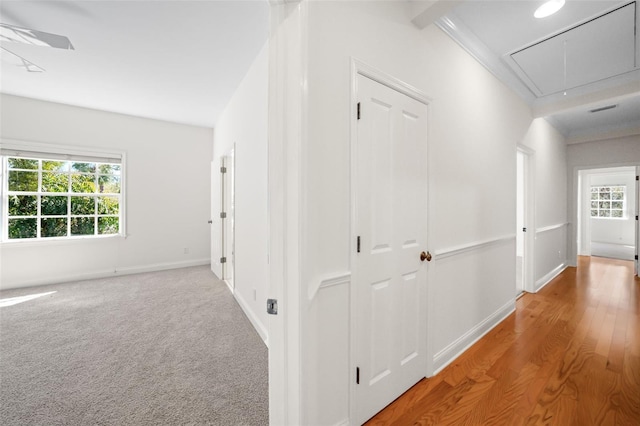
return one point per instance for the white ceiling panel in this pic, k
(596, 50)
(602, 44)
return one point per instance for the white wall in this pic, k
(616, 231)
(167, 191)
(244, 123)
(594, 155)
(475, 125)
(550, 219)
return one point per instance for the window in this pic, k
(608, 201)
(56, 196)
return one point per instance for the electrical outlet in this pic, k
(186, 250)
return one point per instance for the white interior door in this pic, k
(391, 224)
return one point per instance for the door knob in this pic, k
(425, 256)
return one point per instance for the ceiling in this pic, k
(181, 61)
(178, 61)
(583, 58)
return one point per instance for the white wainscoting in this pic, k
(471, 290)
(551, 253)
(464, 342)
(328, 348)
(457, 250)
(339, 278)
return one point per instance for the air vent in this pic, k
(603, 108)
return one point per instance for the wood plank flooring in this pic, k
(569, 355)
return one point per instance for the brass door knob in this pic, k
(425, 256)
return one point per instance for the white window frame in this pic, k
(610, 209)
(34, 150)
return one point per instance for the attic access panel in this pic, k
(598, 49)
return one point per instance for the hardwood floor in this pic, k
(569, 355)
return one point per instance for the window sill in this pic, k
(59, 241)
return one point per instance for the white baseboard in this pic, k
(344, 422)
(464, 342)
(108, 273)
(550, 276)
(260, 328)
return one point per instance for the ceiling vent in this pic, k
(603, 108)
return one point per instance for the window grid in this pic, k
(103, 188)
(608, 202)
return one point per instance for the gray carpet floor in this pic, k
(162, 348)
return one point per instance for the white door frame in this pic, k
(583, 223)
(575, 205)
(528, 263)
(359, 68)
(636, 263)
(287, 127)
(228, 222)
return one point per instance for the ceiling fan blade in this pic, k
(34, 37)
(19, 61)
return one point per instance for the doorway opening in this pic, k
(607, 213)
(524, 221)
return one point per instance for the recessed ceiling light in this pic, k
(549, 8)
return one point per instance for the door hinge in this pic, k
(636, 257)
(636, 217)
(358, 110)
(524, 229)
(357, 375)
(637, 177)
(272, 306)
(223, 260)
(223, 169)
(358, 244)
(223, 215)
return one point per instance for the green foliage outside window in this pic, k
(608, 201)
(52, 198)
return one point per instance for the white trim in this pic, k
(464, 342)
(156, 267)
(366, 70)
(461, 34)
(286, 189)
(329, 281)
(550, 276)
(551, 227)
(476, 245)
(96, 154)
(253, 318)
(42, 148)
(343, 422)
